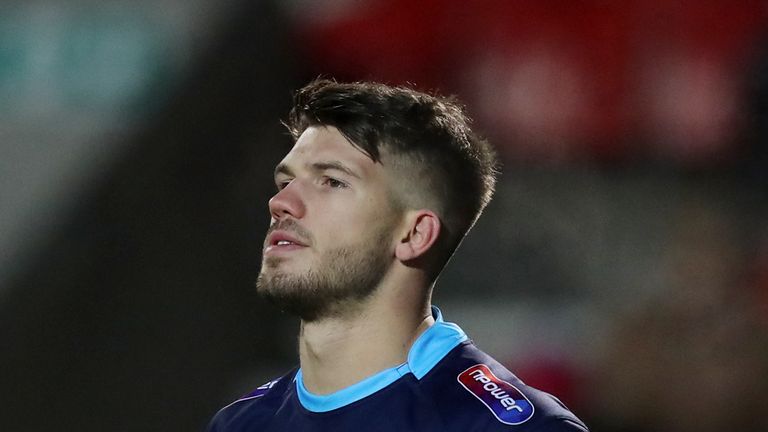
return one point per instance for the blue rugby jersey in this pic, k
(447, 384)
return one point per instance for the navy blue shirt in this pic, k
(447, 384)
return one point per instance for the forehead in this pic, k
(326, 144)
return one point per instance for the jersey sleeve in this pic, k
(563, 425)
(223, 418)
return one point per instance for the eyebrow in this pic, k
(282, 168)
(334, 165)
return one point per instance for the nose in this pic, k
(287, 202)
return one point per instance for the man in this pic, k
(379, 189)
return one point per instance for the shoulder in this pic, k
(482, 395)
(252, 403)
(552, 415)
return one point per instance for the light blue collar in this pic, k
(430, 347)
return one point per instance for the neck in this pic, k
(340, 351)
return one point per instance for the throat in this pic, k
(336, 354)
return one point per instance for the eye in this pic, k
(281, 184)
(334, 183)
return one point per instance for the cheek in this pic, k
(348, 232)
(345, 222)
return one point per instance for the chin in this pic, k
(283, 261)
(273, 267)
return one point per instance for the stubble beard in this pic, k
(335, 286)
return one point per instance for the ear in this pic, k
(423, 229)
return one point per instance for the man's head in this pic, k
(374, 167)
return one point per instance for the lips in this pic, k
(283, 241)
(280, 237)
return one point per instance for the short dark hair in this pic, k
(430, 133)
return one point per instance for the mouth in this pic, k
(282, 242)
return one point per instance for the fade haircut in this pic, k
(445, 166)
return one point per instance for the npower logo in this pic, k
(504, 400)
